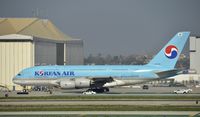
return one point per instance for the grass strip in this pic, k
(97, 108)
(99, 115)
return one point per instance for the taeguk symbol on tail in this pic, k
(171, 51)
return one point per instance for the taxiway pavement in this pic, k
(99, 102)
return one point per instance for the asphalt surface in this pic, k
(153, 91)
(99, 102)
(113, 91)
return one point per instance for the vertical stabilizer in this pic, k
(168, 56)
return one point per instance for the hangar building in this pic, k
(195, 54)
(26, 42)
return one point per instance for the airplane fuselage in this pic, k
(52, 75)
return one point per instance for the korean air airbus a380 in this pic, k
(102, 77)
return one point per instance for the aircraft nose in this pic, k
(14, 80)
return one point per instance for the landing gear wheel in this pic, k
(106, 89)
(50, 92)
(24, 90)
(99, 90)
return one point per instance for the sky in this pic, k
(115, 27)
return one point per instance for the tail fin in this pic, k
(169, 55)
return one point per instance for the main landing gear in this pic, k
(50, 92)
(99, 89)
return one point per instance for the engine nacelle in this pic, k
(67, 84)
(82, 83)
(76, 83)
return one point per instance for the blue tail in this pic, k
(169, 55)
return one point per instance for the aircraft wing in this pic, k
(100, 81)
(110, 81)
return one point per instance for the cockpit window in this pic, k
(19, 74)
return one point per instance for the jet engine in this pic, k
(75, 83)
(82, 83)
(67, 84)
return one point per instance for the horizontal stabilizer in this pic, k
(169, 73)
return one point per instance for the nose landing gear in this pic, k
(24, 91)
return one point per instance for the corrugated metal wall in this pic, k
(74, 52)
(14, 56)
(45, 53)
(195, 54)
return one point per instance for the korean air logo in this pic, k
(40, 73)
(54, 73)
(171, 51)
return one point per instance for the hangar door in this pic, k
(60, 53)
(45, 53)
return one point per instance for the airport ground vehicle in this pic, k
(89, 92)
(180, 91)
(189, 90)
(183, 91)
(99, 78)
(197, 86)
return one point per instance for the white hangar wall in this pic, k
(15, 56)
